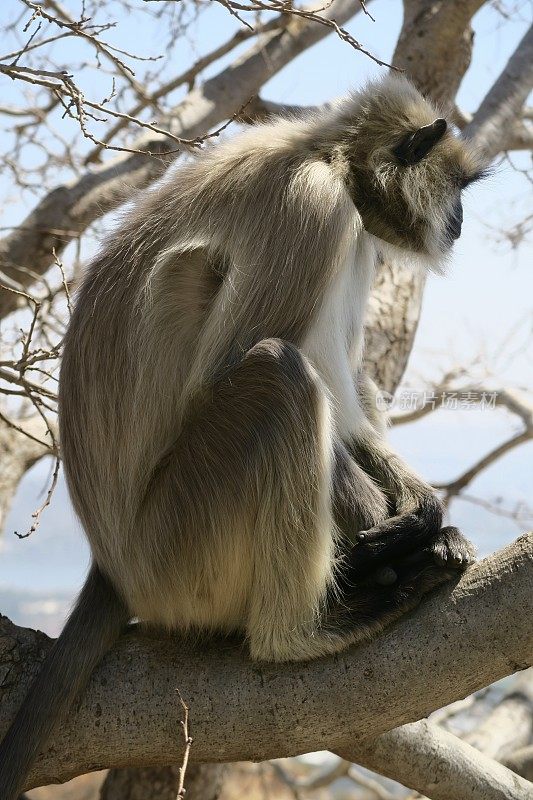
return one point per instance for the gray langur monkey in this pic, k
(219, 436)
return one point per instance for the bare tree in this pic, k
(91, 118)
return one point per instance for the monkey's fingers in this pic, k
(396, 537)
(393, 526)
(451, 549)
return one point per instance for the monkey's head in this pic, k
(407, 169)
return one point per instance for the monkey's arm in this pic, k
(417, 510)
(407, 492)
(358, 502)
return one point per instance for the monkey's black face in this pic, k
(455, 223)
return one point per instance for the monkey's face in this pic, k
(408, 170)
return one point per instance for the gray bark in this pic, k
(202, 782)
(458, 641)
(424, 757)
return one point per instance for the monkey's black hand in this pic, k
(396, 537)
(451, 549)
(448, 550)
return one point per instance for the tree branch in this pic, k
(453, 488)
(239, 710)
(67, 211)
(502, 105)
(438, 764)
(509, 726)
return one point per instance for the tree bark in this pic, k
(459, 640)
(202, 782)
(427, 758)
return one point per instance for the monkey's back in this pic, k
(156, 317)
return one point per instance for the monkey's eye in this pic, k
(466, 180)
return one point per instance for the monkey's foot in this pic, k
(384, 596)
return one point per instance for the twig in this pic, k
(59, 264)
(188, 743)
(48, 499)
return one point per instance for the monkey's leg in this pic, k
(294, 539)
(417, 522)
(358, 503)
(256, 457)
(280, 399)
(241, 506)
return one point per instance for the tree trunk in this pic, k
(202, 782)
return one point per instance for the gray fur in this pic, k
(218, 436)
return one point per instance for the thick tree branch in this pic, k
(441, 766)
(502, 105)
(480, 630)
(435, 44)
(507, 727)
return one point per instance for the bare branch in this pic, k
(453, 488)
(436, 763)
(19, 453)
(67, 211)
(519, 137)
(65, 21)
(509, 725)
(521, 762)
(186, 77)
(502, 105)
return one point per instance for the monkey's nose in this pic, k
(455, 223)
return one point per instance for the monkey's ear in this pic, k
(418, 144)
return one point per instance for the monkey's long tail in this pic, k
(94, 624)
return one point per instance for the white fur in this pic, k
(335, 342)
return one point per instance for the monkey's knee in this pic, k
(282, 363)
